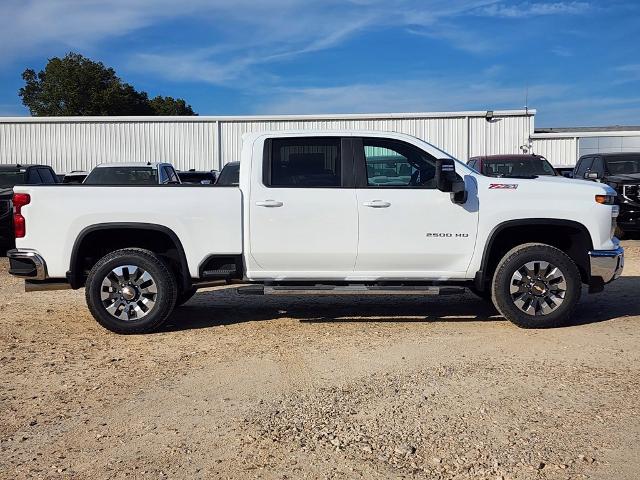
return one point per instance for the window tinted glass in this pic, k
(583, 166)
(623, 164)
(517, 167)
(305, 162)
(173, 176)
(397, 164)
(32, 177)
(11, 178)
(46, 176)
(598, 166)
(122, 176)
(230, 174)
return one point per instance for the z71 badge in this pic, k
(505, 186)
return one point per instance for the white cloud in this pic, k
(443, 94)
(533, 9)
(561, 51)
(627, 73)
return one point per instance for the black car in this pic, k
(621, 171)
(10, 176)
(198, 178)
(230, 174)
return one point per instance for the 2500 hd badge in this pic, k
(447, 235)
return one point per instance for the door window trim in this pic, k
(346, 163)
(360, 165)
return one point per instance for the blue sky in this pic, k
(578, 60)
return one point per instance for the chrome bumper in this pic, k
(27, 264)
(607, 264)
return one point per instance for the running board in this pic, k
(349, 290)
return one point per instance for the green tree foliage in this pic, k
(77, 86)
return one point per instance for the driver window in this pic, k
(395, 164)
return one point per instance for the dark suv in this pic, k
(621, 171)
(10, 176)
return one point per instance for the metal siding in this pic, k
(561, 152)
(192, 142)
(68, 146)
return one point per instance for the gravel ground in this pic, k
(360, 387)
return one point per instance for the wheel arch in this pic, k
(107, 237)
(572, 237)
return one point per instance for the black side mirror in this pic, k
(447, 180)
(591, 175)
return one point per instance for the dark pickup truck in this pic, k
(10, 176)
(621, 171)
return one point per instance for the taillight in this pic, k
(19, 224)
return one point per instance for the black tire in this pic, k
(185, 295)
(568, 291)
(162, 301)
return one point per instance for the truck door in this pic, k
(408, 228)
(303, 215)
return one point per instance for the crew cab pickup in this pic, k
(323, 213)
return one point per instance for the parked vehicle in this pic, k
(200, 178)
(564, 171)
(75, 177)
(10, 176)
(309, 218)
(230, 174)
(512, 166)
(621, 171)
(132, 174)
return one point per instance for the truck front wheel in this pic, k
(131, 291)
(536, 286)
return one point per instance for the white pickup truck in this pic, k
(323, 213)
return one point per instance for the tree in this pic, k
(75, 85)
(170, 106)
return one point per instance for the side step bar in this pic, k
(349, 290)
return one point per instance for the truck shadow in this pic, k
(211, 309)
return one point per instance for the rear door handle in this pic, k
(269, 203)
(377, 204)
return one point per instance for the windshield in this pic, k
(11, 178)
(122, 176)
(230, 175)
(623, 164)
(517, 167)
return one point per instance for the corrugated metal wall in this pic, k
(208, 142)
(559, 151)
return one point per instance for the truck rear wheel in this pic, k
(536, 286)
(131, 291)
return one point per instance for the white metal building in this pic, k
(204, 143)
(80, 143)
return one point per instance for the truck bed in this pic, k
(207, 220)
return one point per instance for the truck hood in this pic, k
(547, 185)
(624, 178)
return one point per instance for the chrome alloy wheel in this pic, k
(128, 292)
(538, 288)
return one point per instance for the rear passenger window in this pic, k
(305, 162)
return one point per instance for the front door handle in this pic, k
(269, 203)
(377, 204)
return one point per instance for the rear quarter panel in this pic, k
(207, 220)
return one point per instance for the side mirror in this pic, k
(447, 180)
(591, 176)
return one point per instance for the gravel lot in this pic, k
(361, 387)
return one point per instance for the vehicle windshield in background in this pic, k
(230, 174)
(623, 165)
(122, 176)
(11, 178)
(530, 167)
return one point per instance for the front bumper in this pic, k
(606, 265)
(27, 264)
